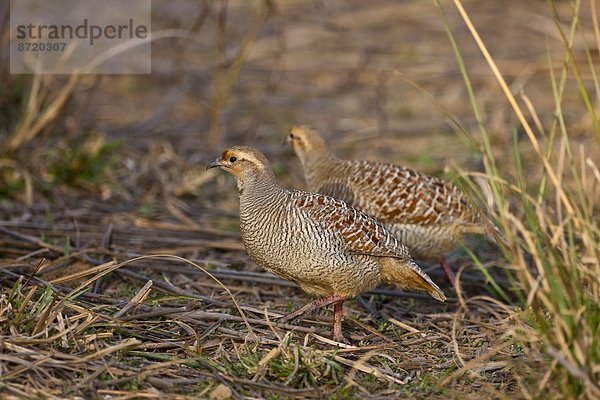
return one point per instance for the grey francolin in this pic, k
(326, 247)
(427, 214)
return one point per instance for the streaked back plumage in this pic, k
(427, 214)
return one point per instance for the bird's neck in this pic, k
(317, 164)
(256, 187)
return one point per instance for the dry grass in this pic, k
(551, 234)
(123, 274)
(189, 333)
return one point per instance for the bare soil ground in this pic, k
(380, 80)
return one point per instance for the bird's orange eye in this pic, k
(232, 159)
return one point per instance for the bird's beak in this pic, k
(287, 141)
(214, 164)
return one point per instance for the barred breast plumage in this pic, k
(425, 213)
(325, 246)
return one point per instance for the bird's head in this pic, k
(305, 141)
(243, 163)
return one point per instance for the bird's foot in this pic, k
(337, 322)
(310, 308)
(289, 317)
(340, 339)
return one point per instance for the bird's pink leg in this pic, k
(337, 321)
(447, 271)
(313, 306)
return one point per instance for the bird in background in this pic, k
(427, 214)
(326, 247)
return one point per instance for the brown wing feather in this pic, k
(401, 195)
(361, 233)
(364, 235)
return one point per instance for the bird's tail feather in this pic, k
(408, 276)
(492, 231)
(487, 227)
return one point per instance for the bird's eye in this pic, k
(232, 159)
(291, 136)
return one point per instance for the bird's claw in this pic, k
(281, 322)
(340, 339)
